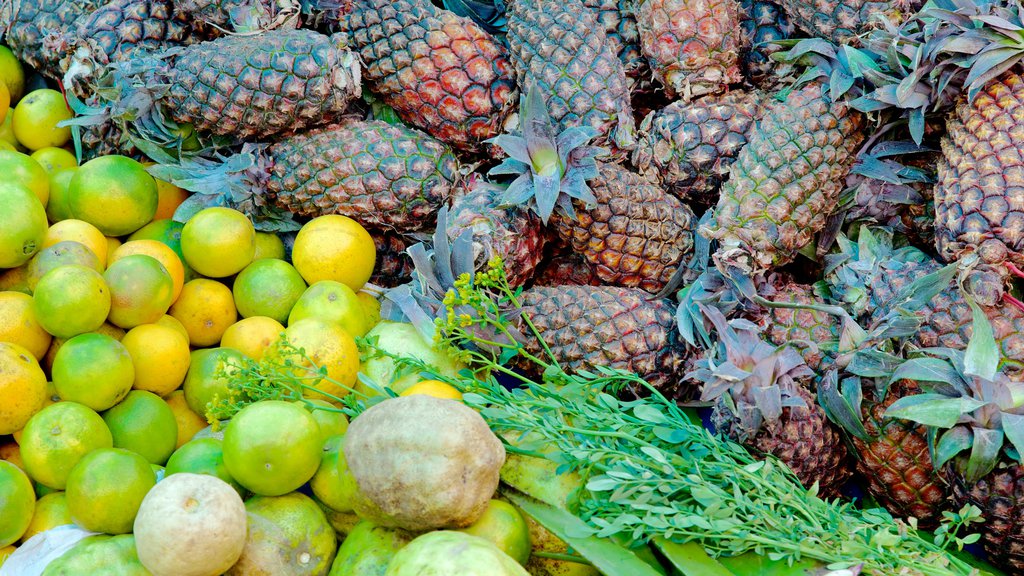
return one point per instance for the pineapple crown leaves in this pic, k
(488, 14)
(551, 169)
(231, 181)
(975, 413)
(846, 71)
(755, 379)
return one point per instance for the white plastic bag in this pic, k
(32, 557)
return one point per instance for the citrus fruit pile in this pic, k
(123, 326)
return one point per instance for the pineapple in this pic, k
(237, 87)
(440, 72)
(393, 265)
(815, 333)
(692, 45)
(906, 207)
(559, 46)
(761, 401)
(842, 22)
(622, 328)
(566, 269)
(689, 146)
(762, 23)
(226, 16)
(387, 177)
(978, 450)
(786, 180)
(513, 233)
(632, 232)
(27, 24)
(616, 16)
(893, 456)
(981, 178)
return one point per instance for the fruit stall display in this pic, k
(510, 287)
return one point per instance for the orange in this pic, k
(371, 306)
(207, 376)
(144, 424)
(58, 437)
(113, 243)
(167, 232)
(5, 101)
(11, 452)
(15, 279)
(94, 370)
(268, 245)
(113, 193)
(331, 421)
(169, 197)
(272, 447)
(434, 388)
(141, 290)
(19, 168)
(51, 511)
(162, 252)
(333, 484)
(81, 232)
(160, 356)
(12, 74)
(57, 205)
(18, 324)
(205, 308)
(7, 133)
(504, 526)
(36, 117)
(188, 421)
(332, 302)
(106, 488)
(17, 503)
(325, 345)
(334, 247)
(22, 387)
(24, 223)
(203, 456)
(172, 322)
(252, 336)
(53, 159)
(60, 254)
(106, 328)
(267, 287)
(218, 242)
(4, 145)
(71, 300)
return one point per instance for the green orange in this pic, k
(36, 117)
(218, 242)
(57, 205)
(163, 254)
(56, 438)
(167, 232)
(272, 447)
(19, 168)
(189, 423)
(268, 245)
(18, 324)
(333, 484)
(207, 376)
(106, 488)
(12, 74)
(332, 302)
(71, 300)
(267, 287)
(81, 232)
(60, 254)
(141, 290)
(504, 526)
(25, 224)
(17, 503)
(113, 193)
(94, 370)
(144, 424)
(53, 159)
(203, 456)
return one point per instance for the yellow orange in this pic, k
(334, 247)
(160, 356)
(51, 511)
(218, 242)
(18, 324)
(113, 193)
(161, 252)
(268, 245)
(252, 336)
(12, 74)
(206, 308)
(36, 117)
(81, 232)
(325, 345)
(53, 159)
(434, 388)
(107, 329)
(189, 423)
(169, 197)
(22, 388)
(172, 322)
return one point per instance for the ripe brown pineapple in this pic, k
(559, 46)
(692, 45)
(393, 265)
(841, 22)
(440, 72)
(689, 146)
(787, 179)
(566, 268)
(29, 22)
(620, 25)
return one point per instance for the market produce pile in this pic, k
(506, 287)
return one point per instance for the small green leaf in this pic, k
(952, 442)
(607, 556)
(649, 413)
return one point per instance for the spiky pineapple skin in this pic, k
(387, 177)
(393, 266)
(1000, 496)
(692, 45)
(842, 21)
(787, 179)
(803, 438)
(978, 197)
(254, 86)
(896, 463)
(513, 233)
(637, 235)
(762, 22)
(105, 139)
(560, 46)
(620, 25)
(566, 268)
(622, 328)
(29, 22)
(814, 333)
(689, 146)
(440, 72)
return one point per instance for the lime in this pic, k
(144, 424)
(218, 242)
(71, 300)
(272, 447)
(332, 302)
(24, 227)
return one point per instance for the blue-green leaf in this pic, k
(982, 357)
(932, 409)
(690, 559)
